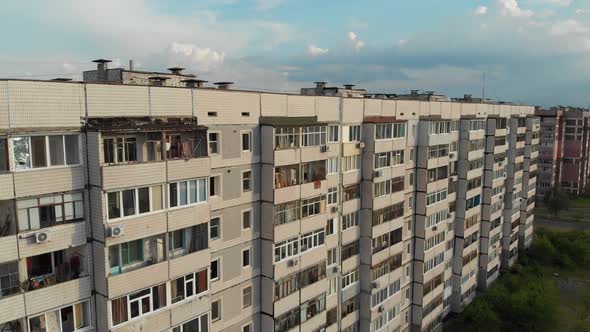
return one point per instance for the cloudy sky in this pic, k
(531, 51)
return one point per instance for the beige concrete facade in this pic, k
(132, 207)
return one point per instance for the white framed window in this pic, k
(286, 249)
(350, 220)
(332, 286)
(187, 192)
(332, 196)
(215, 269)
(437, 217)
(312, 206)
(434, 262)
(247, 180)
(189, 285)
(312, 240)
(199, 324)
(314, 136)
(247, 141)
(286, 138)
(332, 257)
(390, 130)
(246, 219)
(246, 296)
(215, 228)
(440, 127)
(351, 163)
(354, 133)
(382, 188)
(247, 327)
(350, 278)
(214, 142)
(139, 304)
(216, 310)
(131, 202)
(30, 152)
(332, 165)
(331, 226)
(333, 133)
(436, 197)
(246, 257)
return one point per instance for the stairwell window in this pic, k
(3, 155)
(247, 141)
(246, 181)
(214, 143)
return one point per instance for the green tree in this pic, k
(557, 200)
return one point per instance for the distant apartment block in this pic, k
(564, 148)
(141, 201)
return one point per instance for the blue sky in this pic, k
(531, 51)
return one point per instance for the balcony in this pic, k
(56, 267)
(61, 294)
(137, 254)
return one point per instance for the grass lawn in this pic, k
(574, 301)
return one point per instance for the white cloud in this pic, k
(313, 50)
(511, 8)
(402, 42)
(356, 43)
(69, 68)
(195, 58)
(268, 4)
(568, 28)
(560, 2)
(481, 10)
(582, 11)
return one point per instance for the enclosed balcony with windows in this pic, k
(129, 256)
(45, 151)
(56, 267)
(48, 211)
(129, 141)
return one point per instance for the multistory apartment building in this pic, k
(564, 150)
(146, 201)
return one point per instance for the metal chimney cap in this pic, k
(348, 86)
(102, 61)
(61, 79)
(194, 80)
(176, 70)
(223, 83)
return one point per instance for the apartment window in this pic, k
(214, 143)
(382, 188)
(331, 226)
(215, 269)
(434, 262)
(434, 240)
(388, 213)
(439, 127)
(350, 278)
(350, 220)
(332, 256)
(9, 279)
(436, 174)
(332, 165)
(436, 197)
(287, 212)
(390, 130)
(216, 310)
(312, 240)
(119, 150)
(474, 164)
(332, 286)
(215, 185)
(69, 318)
(138, 304)
(247, 297)
(354, 133)
(314, 136)
(351, 192)
(288, 320)
(332, 196)
(348, 308)
(199, 324)
(246, 141)
(247, 328)
(247, 181)
(176, 240)
(188, 286)
(286, 138)
(286, 286)
(386, 159)
(477, 144)
(246, 220)
(188, 240)
(129, 256)
(45, 151)
(313, 307)
(477, 125)
(312, 274)
(49, 211)
(286, 249)
(350, 250)
(215, 228)
(384, 293)
(438, 151)
(333, 135)
(3, 155)
(246, 257)
(381, 321)
(351, 163)
(437, 217)
(386, 266)
(187, 192)
(473, 202)
(313, 206)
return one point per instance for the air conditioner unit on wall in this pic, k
(377, 174)
(360, 145)
(324, 148)
(292, 262)
(335, 269)
(334, 209)
(41, 237)
(375, 285)
(116, 231)
(452, 155)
